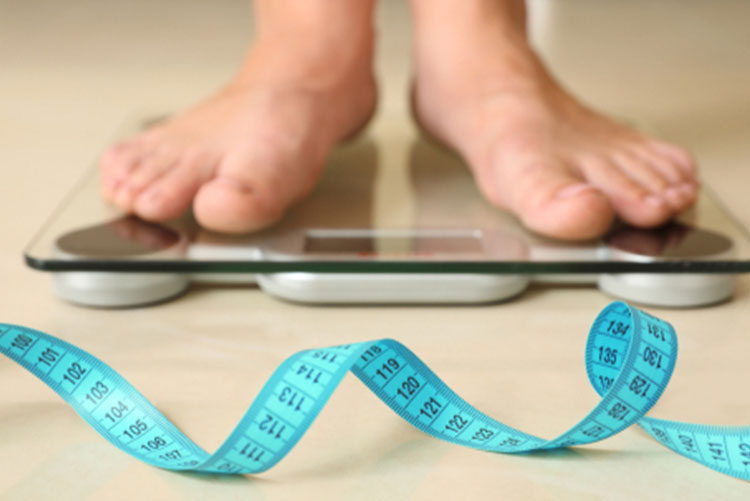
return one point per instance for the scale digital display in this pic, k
(338, 243)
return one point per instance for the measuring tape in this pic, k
(630, 356)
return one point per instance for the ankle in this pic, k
(460, 27)
(449, 14)
(477, 48)
(324, 42)
(472, 40)
(324, 65)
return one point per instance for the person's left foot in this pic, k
(563, 169)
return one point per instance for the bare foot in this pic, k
(244, 155)
(563, 169)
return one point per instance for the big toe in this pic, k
(553, 202)
(242, 197)
(231, 205)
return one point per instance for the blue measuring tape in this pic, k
(630, 356)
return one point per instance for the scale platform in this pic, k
(375, 232)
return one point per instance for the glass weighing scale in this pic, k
(419, 234)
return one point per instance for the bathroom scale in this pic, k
(375, 232)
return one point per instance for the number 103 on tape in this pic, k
(629, 358)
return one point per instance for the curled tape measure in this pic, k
(630, 356)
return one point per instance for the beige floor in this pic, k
(72, 72)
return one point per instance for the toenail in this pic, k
(687, 189)
(114, 183)
(674, 193)
(152, 195)
(654, 200)
(235, 184)
(109, 185)
(574, 190)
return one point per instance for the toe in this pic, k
(641, 171)
(633, 202)
(681, 188)
(644, 170)
(116, 164)
(171, 193)
(148, 171)
(679, 156)
(231, 206)
(552, 201)
(244, 196)
(680, 169)
(665, 165)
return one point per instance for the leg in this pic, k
(243, 155)
(562, 168)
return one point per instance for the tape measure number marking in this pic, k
(630, 356)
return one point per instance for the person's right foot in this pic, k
(246, 154)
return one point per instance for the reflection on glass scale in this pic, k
(419, 235)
